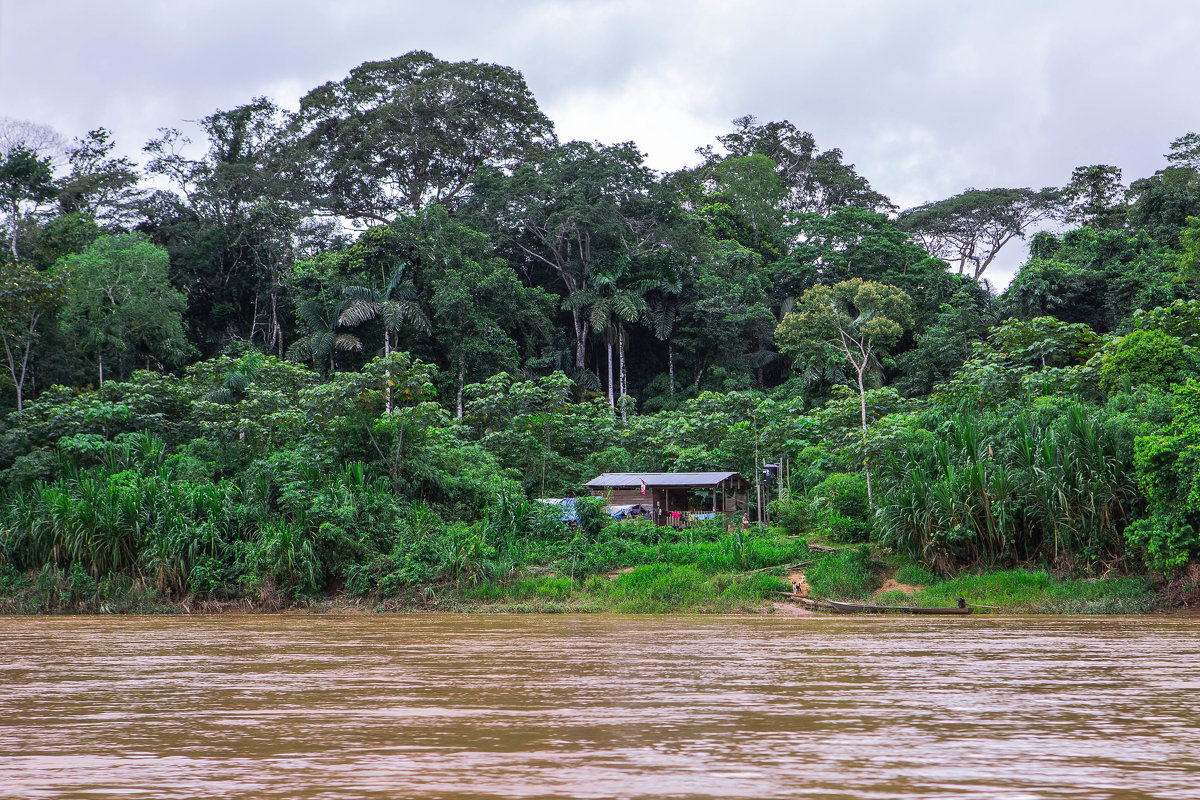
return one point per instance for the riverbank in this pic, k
(703, 577)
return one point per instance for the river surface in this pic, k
(598, 706)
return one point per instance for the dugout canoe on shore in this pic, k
(862, 608)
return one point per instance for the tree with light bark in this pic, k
(858, 320)
(27, 295)
(579, 206)
(970, 229)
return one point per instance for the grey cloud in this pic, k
(926, 98)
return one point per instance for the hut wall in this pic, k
(623, 497)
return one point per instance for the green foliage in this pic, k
(972, 227)
(120, 303)
(1167, 462)
(1092, 276)
(1044, 356)
(25, 178)
(1147, 357)
(26, 296)
(1036, 591)
(1051, 480)
(856, 316)
(518, 314)
(397, 134)
(659, 588)
(843, 498)
(848, 574)
(793, 514)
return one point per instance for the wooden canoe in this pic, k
(860, 608)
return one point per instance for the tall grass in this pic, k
(1036, 591)
(1051, 484)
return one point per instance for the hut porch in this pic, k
(676, 498)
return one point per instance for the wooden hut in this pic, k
(672, 495)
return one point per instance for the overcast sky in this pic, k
(926, 98)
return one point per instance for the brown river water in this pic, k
(599, 706)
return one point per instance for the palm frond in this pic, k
(358, 311)
(397, 312)
(363, 293)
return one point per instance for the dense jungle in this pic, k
(338, 353)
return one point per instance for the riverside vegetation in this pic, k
(342, 356)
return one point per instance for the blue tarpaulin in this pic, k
(566, 504)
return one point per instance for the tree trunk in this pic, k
(459, 398)
(862, 399)
(100, 359)
(621, 348)
(609, 348)
(671, 366)
(387, 388)
(276, 328)
(18, 381)
(580, 339)
(16, 223)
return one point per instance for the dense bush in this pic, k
(1150, 358)
(844, 500)
(1052, 481)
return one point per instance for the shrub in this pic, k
(794, 514)
(83, 586)
(593, 516)
(843, 497)
(847, 574)
(1166, 541)
(1152, 357)
(206, 574)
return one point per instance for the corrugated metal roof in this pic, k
(635, 479)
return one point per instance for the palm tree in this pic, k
(321, 318)
(395, 305)
(237, 380)
(662, 314)
(610, 306)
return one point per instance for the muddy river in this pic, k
(599, 706)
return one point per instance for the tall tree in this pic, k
(613, 301)
(101, 185)
(121, 303)
(860, 320)
(26, 182)
(233, 234)
(41, 139)
(27, 295)
(396, 135)
(382, 263)
(725, 315)
(816, 181)
(1162, 203)
(388, 292)
(479, 310)
(971, 228)
(578, 205)
(321, 340)
(1095, 197)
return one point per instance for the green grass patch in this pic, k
(848, 574)
(544, 588)
(1030, 591)
(661, 588)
